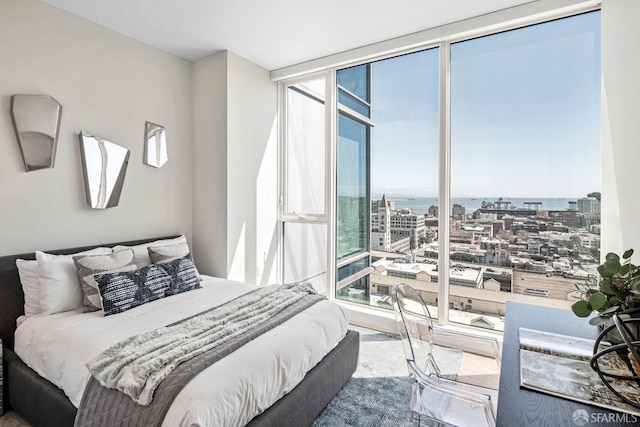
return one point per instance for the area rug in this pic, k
(379, 393)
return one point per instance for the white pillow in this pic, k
(60, 288)
(140, 251)
(30, 280)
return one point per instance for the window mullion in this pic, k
(444, 181)
(331, 113)
(282, 168)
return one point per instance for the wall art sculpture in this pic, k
(104, 165)
(155, 145)
(36, 121)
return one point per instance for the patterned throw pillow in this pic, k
(126, 290)
(165, 254)
(184, 276)
(89, 266)
(141, 253)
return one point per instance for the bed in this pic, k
(42, 402)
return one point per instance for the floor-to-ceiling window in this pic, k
(398, 150)
(520, 127)
(303, 196)
(525, 167)
(353, 261)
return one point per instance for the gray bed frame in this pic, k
(42, 403)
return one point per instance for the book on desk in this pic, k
(559, 365)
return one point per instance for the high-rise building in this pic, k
(390, 227)
(589, 205)
(458, 212)
(382, 203)
(381, 225)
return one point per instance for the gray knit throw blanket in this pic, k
(138, 364)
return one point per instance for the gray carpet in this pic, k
(379, 394)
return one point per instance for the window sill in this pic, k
(447, 335)
(372, 318)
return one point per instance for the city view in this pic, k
(526, 250)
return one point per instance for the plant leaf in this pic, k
(627, 254)
(605, 287)
(610, 310)
(581, 308)
(614, 336)
(602, 270)
(626, 314)
(612, 266)
(597, 300)
(624, 269)
(612, 257)
(599, 321)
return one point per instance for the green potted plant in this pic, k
(617, 290)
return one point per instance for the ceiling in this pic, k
(276, 33)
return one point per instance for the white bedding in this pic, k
(230, 392)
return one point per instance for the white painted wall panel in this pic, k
(620, 125)
(251, 172)
(209, 171)
(108, 85)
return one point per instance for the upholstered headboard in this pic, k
(11, 295)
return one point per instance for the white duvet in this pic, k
(229, 393)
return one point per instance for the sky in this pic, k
(525, 115)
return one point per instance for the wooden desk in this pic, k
(522, 407)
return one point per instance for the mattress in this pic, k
(230, 392)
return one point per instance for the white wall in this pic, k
(108, 85)
(620, 126)
(252, 163)
(209, 92)
(235, 169)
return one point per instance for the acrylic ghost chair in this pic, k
(436, 400)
